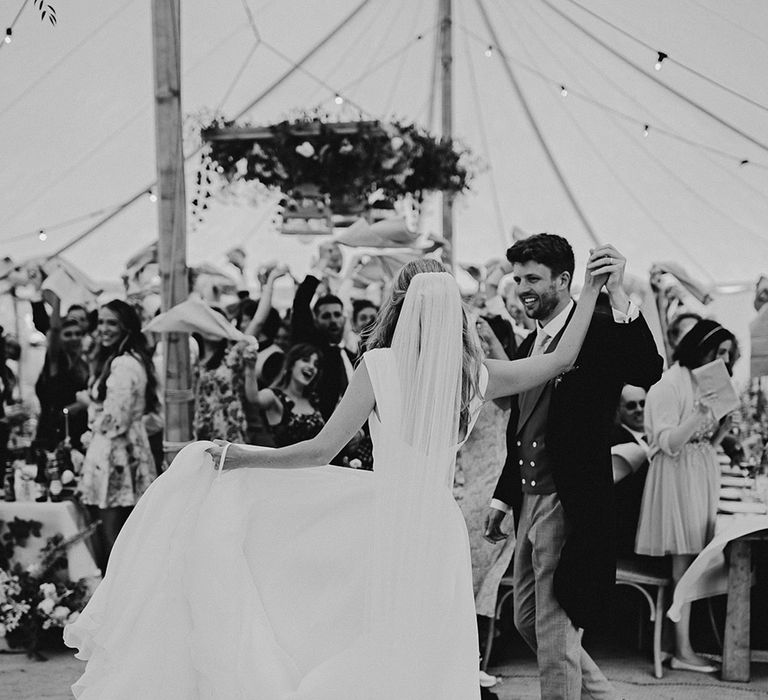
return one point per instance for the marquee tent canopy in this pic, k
(578, 132)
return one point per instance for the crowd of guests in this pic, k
(100, 392)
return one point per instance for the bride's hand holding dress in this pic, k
(353, 410)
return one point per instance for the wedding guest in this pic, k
(364, 313)
(322, 325)
(220, 388)
(476, 473)
(679, 326)
(677, 515)
(64, 373)
(629, 453)
(290, 405)
(118, 466)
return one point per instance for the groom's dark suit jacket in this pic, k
(578, 429)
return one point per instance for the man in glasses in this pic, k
(629, 455)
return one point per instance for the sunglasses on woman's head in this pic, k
(632, 405)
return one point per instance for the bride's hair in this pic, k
(380, 333)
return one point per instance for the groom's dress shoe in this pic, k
(678, 665)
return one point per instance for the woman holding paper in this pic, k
(677, 516)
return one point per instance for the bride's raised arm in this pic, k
(353, 410)
(507, 377)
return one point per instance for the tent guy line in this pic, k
(560, 84)
(693, 103)
(665, 129)
(671, 59)
(598, 153)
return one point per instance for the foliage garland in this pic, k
(374, 161)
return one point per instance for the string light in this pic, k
(661, 56)
(152, 196)
(645, 131)
(489, 51)
(8, 35)
(339, 100)
(563, 91)
(43, 236)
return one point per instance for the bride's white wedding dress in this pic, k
(320, 583)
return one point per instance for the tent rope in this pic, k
(534, 125)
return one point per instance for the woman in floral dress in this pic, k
(220, 389)
(118, 466)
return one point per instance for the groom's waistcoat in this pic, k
(535, 463)
(536, 471)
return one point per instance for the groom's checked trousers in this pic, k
(566, 671)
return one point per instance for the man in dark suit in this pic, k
(322, 325)
(557, 477)
(629, 453)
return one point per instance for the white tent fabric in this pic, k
(77, 122)
(77, 134)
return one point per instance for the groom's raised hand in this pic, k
(492, 530)
(607, 260)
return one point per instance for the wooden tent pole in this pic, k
(446, 63)
(172, 247)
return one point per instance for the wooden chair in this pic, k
(653, 584)
(640, 576)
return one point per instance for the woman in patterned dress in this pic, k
(220, 388)
(289, 405)
(118, 466)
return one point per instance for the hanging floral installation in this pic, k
(347, 164)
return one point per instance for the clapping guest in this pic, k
(322, 325)
(262, 321)
(679, 506)
(118, 466)
(290, 406)
(679, 326)
(64, 373)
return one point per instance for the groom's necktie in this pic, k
(540, 344)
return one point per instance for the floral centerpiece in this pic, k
(36, 602)
(349, 163)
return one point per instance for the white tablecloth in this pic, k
(708, 575)
(57, 518)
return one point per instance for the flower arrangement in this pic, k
(36, 602)
(362, 162)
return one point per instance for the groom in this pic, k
(557, 477)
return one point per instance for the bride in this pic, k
(248, 572)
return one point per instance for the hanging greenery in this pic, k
(363, 161)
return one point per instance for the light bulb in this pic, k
(152, 197)
(563, 91)
(660, 59)
(645, 131)
(339, 100)
(8, 35)
(489, 51)
(43, 236)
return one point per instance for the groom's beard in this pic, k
(543, 305)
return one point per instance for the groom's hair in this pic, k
(546, 249)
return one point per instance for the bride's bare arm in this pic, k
(353, 410)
